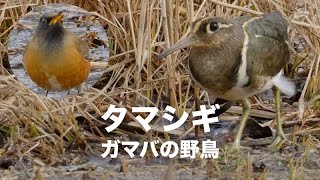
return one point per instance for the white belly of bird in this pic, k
(237, 93)
(284, 84)
(55, 85)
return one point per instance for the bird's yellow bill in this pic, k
(187, 42)
(57, 18)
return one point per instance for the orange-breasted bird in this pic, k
(55, 58)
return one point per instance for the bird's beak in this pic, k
(56, 19)
(187, 42)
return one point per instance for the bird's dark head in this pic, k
(50, 31)
(211, 31)
(205, 32)
(50, 21)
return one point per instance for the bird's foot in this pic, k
(80, 88)
(278, 141)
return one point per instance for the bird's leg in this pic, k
(280, 137)
(47, 91)
(80, 88)
(246, 110)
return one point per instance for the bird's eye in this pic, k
(213, 26)
(43, 21)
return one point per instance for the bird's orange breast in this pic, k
(59, 70)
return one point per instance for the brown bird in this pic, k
(236, 59)
(55, 58)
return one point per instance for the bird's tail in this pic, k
(285, 85)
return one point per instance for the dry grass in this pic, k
(36, 126)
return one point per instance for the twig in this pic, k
(253, 112)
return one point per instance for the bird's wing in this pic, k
(272, 25)
(267, 49)
(81, 45)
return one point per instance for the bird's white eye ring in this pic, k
(215, 26)
(212, 27)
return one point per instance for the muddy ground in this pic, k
(255, 163)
